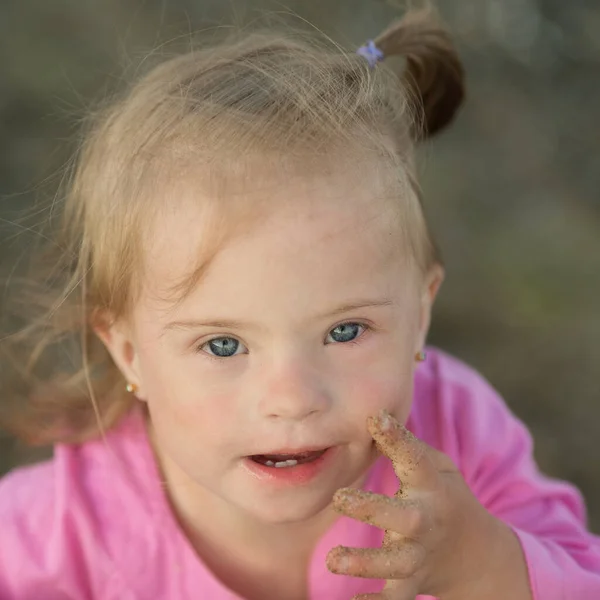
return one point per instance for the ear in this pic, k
(118, 339)
(431, 285)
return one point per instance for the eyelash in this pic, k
(366, 328)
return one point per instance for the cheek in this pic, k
(181, 405)
(382, 375)
(393, 392)
(192, 429)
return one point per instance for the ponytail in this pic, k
(433, 74)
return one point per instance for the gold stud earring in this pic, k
(421, 356)
(131, 388)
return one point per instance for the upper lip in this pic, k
(292, 451)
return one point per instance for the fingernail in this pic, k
(385, 420)
(345, 497)
(343, 563)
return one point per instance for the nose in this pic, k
(293, 390)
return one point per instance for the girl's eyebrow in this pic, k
(365, 303)
(234, 324)
(214, 323)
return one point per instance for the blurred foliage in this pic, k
(511, 189)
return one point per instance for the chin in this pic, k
(285, 510)
(295, 503)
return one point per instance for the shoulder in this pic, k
(446, 375)
(457, 410)
(27, 497)
(60, 523)
(445, 384)
(29, 554)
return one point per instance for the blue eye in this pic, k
(222, 347)
(346, 332)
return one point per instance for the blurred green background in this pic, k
(511, 189)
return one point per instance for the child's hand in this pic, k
(438, 538)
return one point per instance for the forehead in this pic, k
(290, 227)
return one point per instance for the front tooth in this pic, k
(285, 463)
(270, 463)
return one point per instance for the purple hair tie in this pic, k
(371, 52)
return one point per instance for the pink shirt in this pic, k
(94, 522)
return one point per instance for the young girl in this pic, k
(249, 276)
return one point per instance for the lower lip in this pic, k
(296, 475)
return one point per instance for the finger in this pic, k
(399, 562)
(388, 595)
(409, 518)
(396, 589)
(409, 455)
(385, 596)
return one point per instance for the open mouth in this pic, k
(281, 461)
(288, 467)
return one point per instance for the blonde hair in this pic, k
(257, 95)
